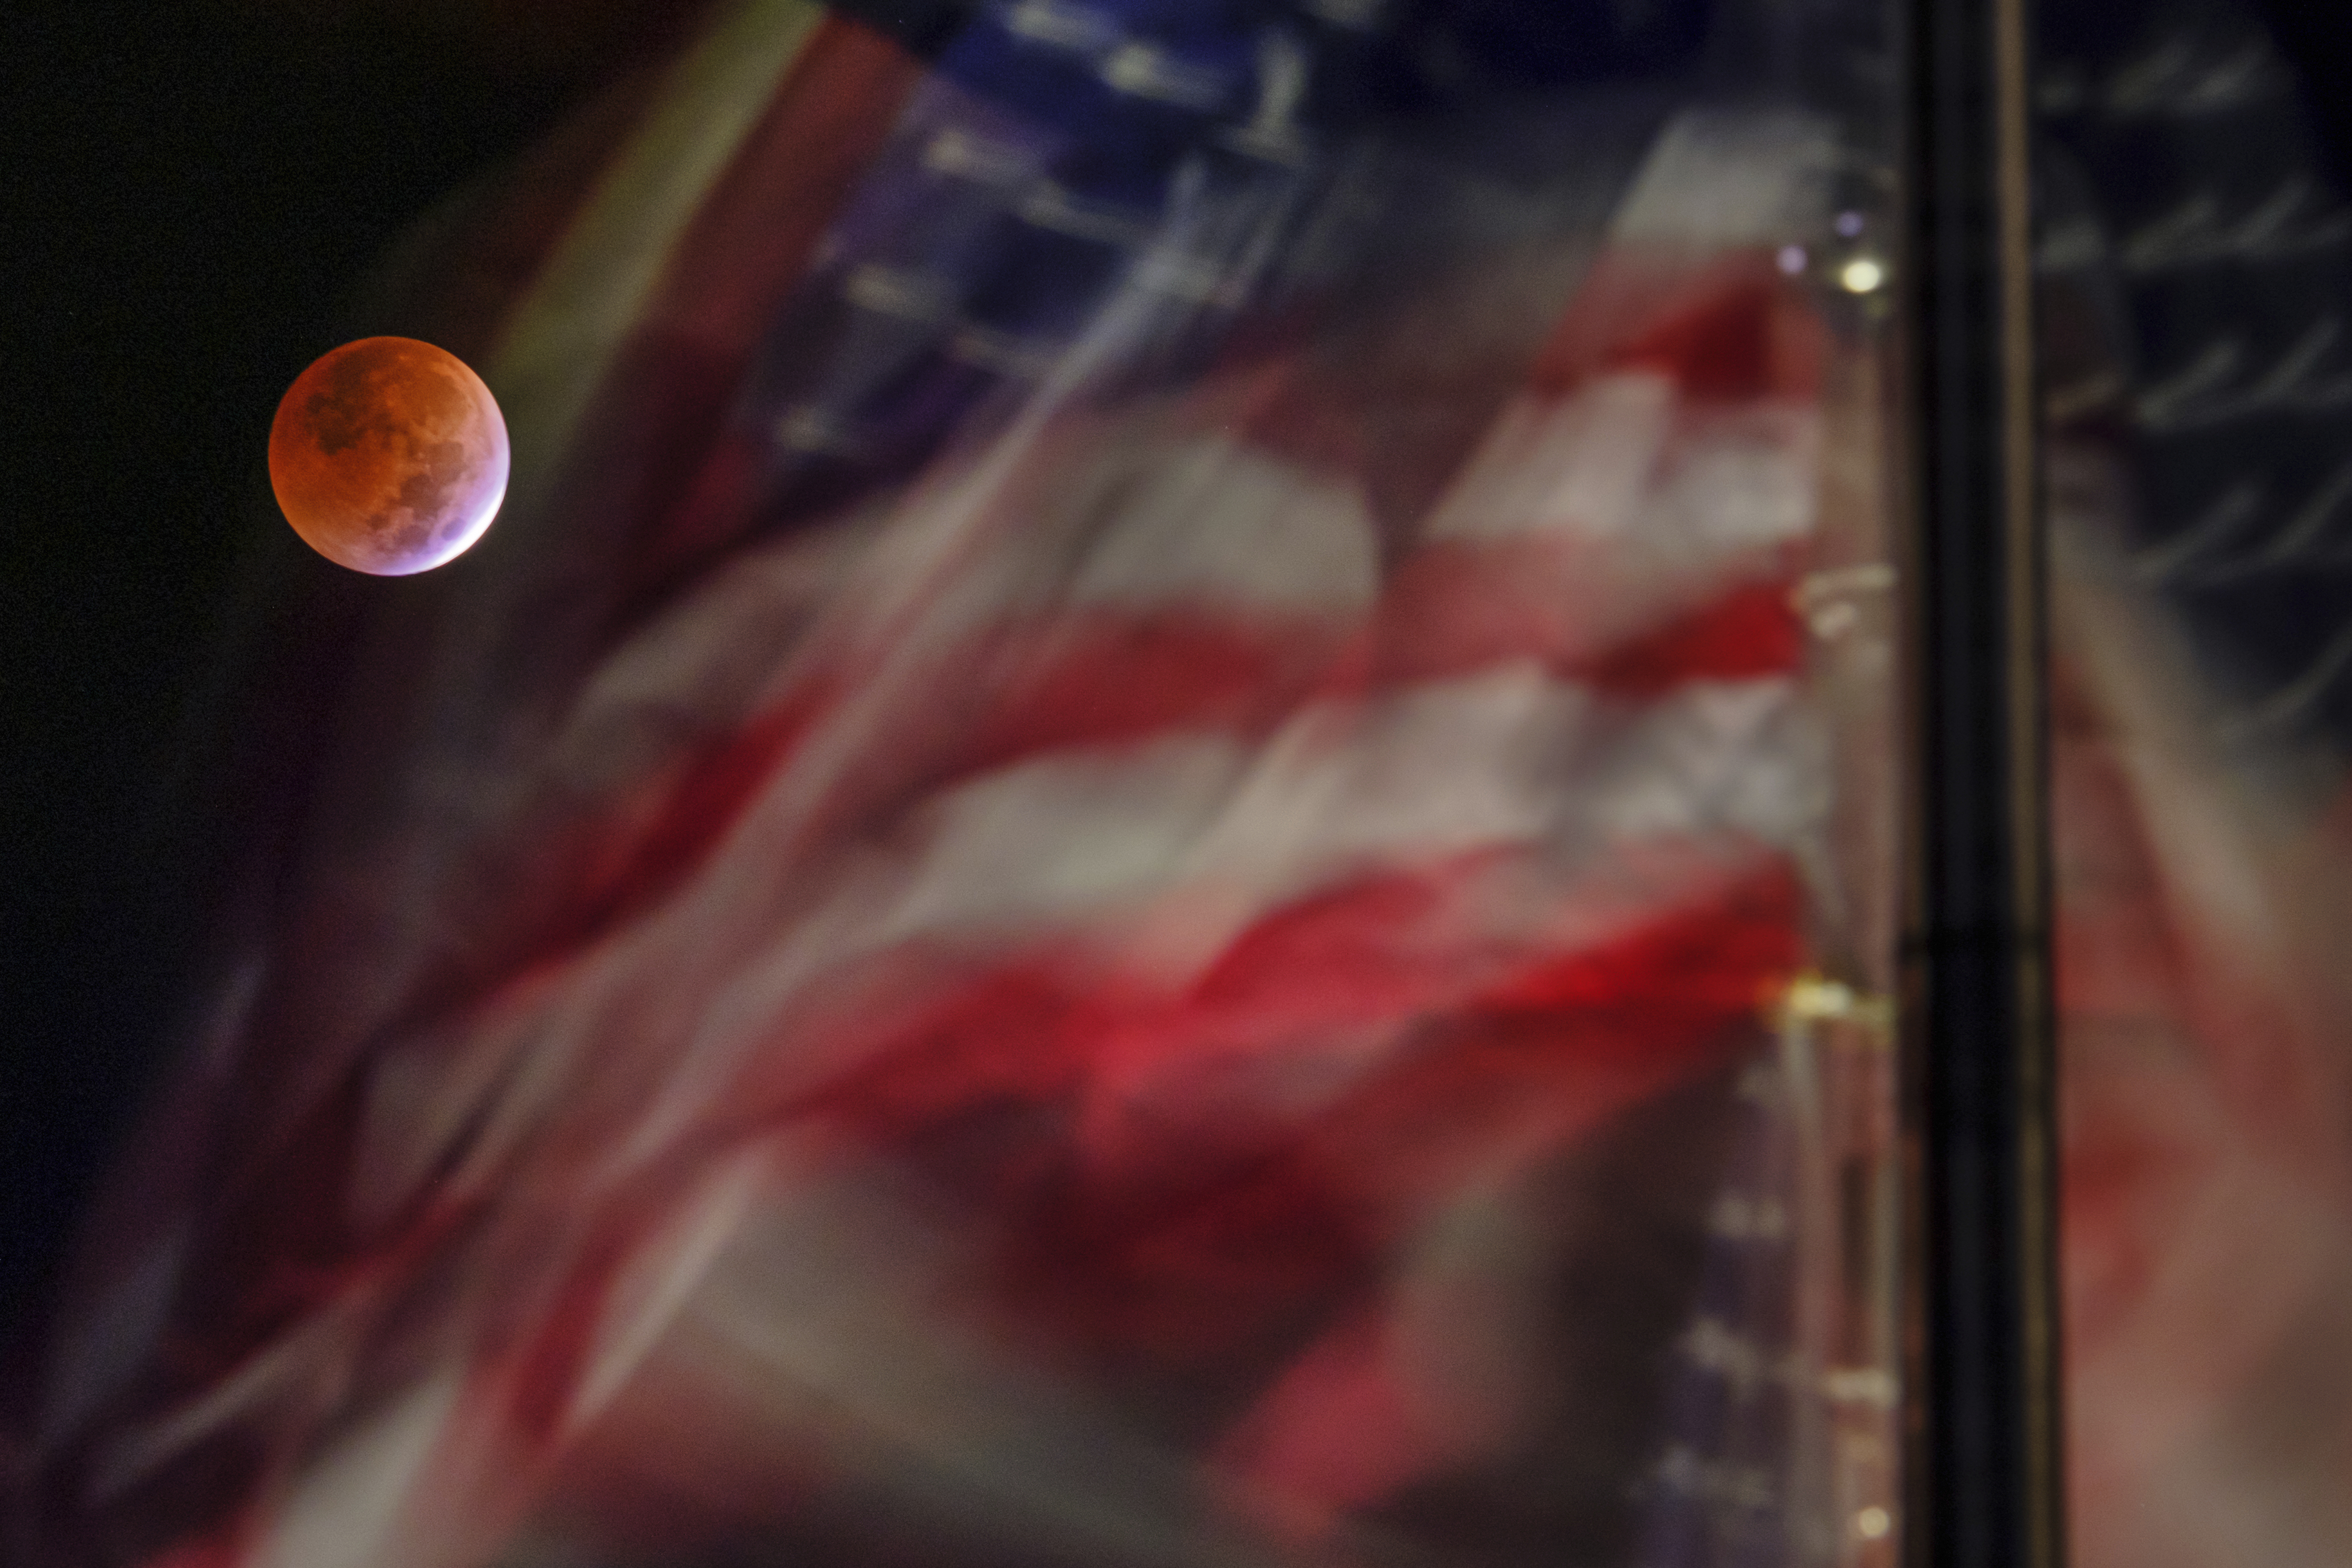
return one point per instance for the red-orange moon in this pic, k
(389, 456)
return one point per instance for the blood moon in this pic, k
(389, 456)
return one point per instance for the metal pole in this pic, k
(1985, 1471)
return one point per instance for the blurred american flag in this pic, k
(1094, 748)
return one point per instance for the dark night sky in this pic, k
(190, 193)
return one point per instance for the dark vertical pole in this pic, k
(1985, 1461)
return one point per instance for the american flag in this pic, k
(2194, 261)
(1002, 919)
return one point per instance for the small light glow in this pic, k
(1849, 224)
(1873, 1523)
(1861, 276)
(1793, 259)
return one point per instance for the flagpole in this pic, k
(1984, 1455)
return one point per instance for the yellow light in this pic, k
(1862, 274)
(1810, 997)
(1872, 1522)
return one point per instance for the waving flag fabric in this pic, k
(1151, 725)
